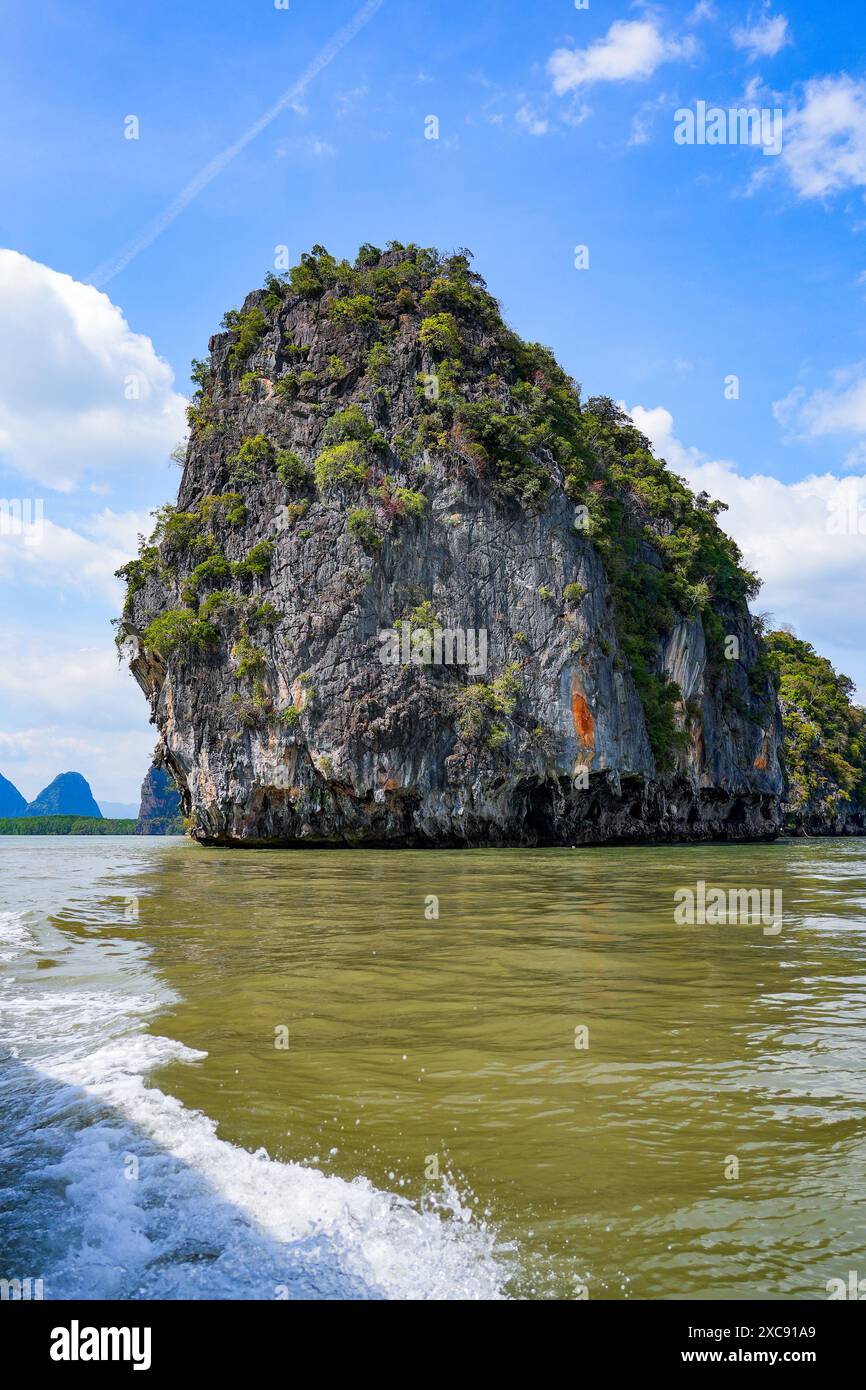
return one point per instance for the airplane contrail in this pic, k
(112, 267)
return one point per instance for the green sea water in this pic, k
(627, 1107)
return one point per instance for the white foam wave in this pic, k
(203, 1218)
(151, 1203)
(14, 936)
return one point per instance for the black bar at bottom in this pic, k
(61, 1338)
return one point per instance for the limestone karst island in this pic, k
(373, 451)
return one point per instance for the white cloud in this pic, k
(856, 459)
(840, 409)
(576, 114)
(643, 120)
(114, 763)
(824, 147)
(814, 578)
(631, 50)
(756, 91)
(704, 10)
(531, 121)
(763, 40)
(48, 556)
(69, 706)
(68, 361)
(56, 677)
(657, 424)
(320, 149)
(348, 101)
(119, 530)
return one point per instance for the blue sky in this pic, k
(555, 129)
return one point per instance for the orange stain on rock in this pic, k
(762, 761)
(584, 724)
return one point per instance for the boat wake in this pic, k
(113, 1189)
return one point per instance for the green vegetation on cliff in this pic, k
(825, 734)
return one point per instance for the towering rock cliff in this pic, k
(379, 473)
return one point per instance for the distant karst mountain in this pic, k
(160, 805)
(12, 803)
(68, 795)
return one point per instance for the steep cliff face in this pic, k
(825, 742)
(159, 812)
(381, 473)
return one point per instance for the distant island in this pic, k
(68, 795)
(67, 806)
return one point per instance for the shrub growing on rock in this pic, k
(350, 423)
(362, 528)
(246, 464)
(291, 469)
(228, 505)
(179, 630)
(250, 328)
(475, 703)
(440, 334)
(288, 387)
(341, 463)
(357, 308)
(214, 570)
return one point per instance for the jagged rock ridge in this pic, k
(372, 449)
